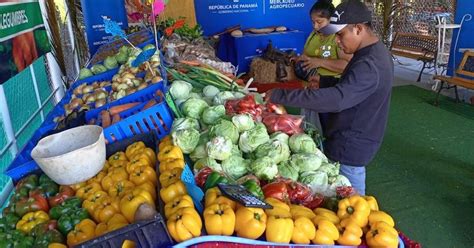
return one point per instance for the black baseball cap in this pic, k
(348, 12)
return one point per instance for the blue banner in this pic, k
(217, 15)
(93, 11)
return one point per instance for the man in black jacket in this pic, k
(358, 104)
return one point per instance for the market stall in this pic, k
(187, 154)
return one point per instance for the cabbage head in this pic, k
(199, 152)
(222, 97)
(183, 123)
(283, 137)
(187, 139)
(110, 62)
(305, 161)
(194, 107)
(331, 169)
(180, 90)
(85, 73)
(225, 129)
(251, 139)
(210, 91)
(302, 143)
(235, 167)
(316, 180)
(195, 95)
(276, 150)
(236, 151)
(212, 114)
(264, 168)
(98, 69)
(238, 95)
(219, 148)
(243, 122)
(287, 171)
(207, 162)
(121, 57)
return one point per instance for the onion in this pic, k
(104, 84)
(76, 102)
(87, 89)
(131, 91)
(90, 98)
(156, 79)
(68, 109)
(128, 75)
(122, 87)
(85, 107)
(136, 82)
(121, 94)
(115, 85)
(100, 94)
(100, 102)
(142, 86)
(84, 97)
(95, 85)
(78, 90)
(134, 70)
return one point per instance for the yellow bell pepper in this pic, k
(184, 224)
(219, 219)
(301, 211)
(136, 163)
(172, 191)
(279, 208)
(146, 153)
(166, 141)
(374, 206)
(106, 166)
(356, 208)
(304, 231)
(170, 176)
(105, 209)
(92, 201)
(115, 222)
(30, 220)
(143, 174)
(118, 156)
(323, 213)
(279, 229)
(114, 175)
(134, 148)
(97, 178)
(350, 233)
(82, 232)
(56, 245)
(326, 233)
(170, 153)
(377, 216)
(214, 195)
(119, 188)
(382, 234)
(132, 200)
(184, 201)
(77, 186)
(250, 222)
(277, 203)
(148, 187)
(87, 190)
(276, 211)
(171, 164)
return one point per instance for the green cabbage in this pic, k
(288, 171)
(236, 151)
(251, 139)
(316, 180)
(210, 91)
(235, 167)
(243, 122)
(219, 148)
(264, 168)
(238, 95)
(305, 161)
(187, 139)
(180, 90)
(212, 114)
(222, 97)
(276, 150)
(98, 69)
(199, 152)
(121, 57)
(125, 50)
(283, 137)
(85, 73)
(225, 129)
(183, 123)
(110, 62)
(194, 107)
(302, 143)
(148, 47)
(331, 169)
(207, 162)
(195, 95)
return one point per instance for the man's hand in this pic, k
(24, 50)
(311, 63)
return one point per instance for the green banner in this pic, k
(23, 37)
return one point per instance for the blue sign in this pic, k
(218, 15)
(93, 11)
(463, 9)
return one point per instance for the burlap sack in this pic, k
(264, 71)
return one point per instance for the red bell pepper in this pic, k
(64, 193)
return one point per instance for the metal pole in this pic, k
(7, 123)
(35, 86)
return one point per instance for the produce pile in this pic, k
(350, 220)
(42, 213)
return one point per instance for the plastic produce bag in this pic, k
(285, 123)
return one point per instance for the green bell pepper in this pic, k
(253, 187)
(15, 239)
(8, 222)
(44, 235)
(67, 222)
(68, 205)
(213, 179)
(24, 186)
